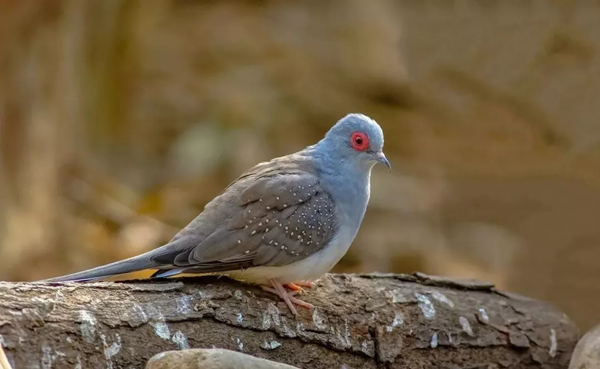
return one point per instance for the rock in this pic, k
(210, 359)
(587, 351)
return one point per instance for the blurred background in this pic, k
(119, 120)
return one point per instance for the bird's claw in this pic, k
(287, 297)
(297, 286)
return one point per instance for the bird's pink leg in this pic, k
(294, 287)
(297, 286)
(287, 297)
(305, 284)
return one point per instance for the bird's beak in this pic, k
(380, 157)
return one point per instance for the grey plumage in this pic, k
(274, 216)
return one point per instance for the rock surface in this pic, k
(361, 321)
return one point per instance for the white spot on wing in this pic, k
(239, 318)
(426, 306)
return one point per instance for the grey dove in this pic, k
(282, 223)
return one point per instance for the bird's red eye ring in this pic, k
(359, 141)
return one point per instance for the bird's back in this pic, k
(228, 204)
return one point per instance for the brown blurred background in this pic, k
(119, 120)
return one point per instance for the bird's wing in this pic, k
(273, 219)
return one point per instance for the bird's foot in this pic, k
(297, 286)
(287, 297)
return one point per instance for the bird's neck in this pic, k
(347, 183)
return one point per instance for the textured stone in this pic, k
(211, 359)
(587, 351)
(413, 324)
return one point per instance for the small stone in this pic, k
(212, 359)
(586, 353)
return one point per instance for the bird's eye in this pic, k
(359, 141)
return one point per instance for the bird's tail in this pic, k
(133, 264)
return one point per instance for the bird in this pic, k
(282, 223)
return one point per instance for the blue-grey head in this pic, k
(356, 140)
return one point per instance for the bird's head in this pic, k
(357, 139)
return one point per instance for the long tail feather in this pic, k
(134, 264)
